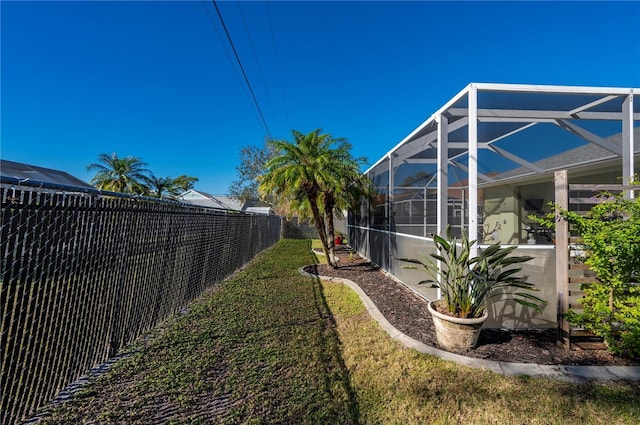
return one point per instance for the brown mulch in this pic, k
(408, 312)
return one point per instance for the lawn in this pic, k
(271, 346)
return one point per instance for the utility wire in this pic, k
(246, 79)
(255, 58)
(226, 51)
(278, 67)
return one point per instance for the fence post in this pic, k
(562, 259)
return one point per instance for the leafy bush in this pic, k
(611, 306)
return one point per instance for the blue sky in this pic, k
(157, 80)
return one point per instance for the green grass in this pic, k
(271, 346)
(395, 385)
(262, 347)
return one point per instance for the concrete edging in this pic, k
(575, 374)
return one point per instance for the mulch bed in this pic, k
(408, 313)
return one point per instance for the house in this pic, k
(224, 202)
(485, 162)
(24, 172)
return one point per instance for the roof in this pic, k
(258, 210)
(205, 199)
(232, 203)
(518, 129)
(219, 201)
(39, 174)
(583, 155)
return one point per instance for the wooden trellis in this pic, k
(571, 272)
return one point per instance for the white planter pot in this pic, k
(453, 333)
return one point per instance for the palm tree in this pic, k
(119, 174)
(161, 187)
(311, 175)
(294, 175)
(345, 187)
(183, 183)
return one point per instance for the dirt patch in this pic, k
(408, 313)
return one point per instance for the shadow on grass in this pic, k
(332, 352)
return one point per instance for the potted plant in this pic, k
(468, 285)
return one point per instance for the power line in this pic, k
(278, 67)
(255, 57)
(246, 79)
(226, 50)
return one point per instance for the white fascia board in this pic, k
(535, 88)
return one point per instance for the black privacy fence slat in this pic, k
(84, 273)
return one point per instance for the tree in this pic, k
(344, 186)
(314, 174)
(293, 175)
(161, 187)
(252, 165)
(166, 187)
(119, 174)
(610, 232)
(184, 183)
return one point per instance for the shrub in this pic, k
(611, 306)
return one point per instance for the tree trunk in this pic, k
(329, 205)
(317, 217)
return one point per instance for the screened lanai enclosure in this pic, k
(485, 163)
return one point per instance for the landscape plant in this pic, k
(118, 174)
(253, 160)
(167, 187)
(468, 284)
(316, 176)
(611, 305)
(130, 175)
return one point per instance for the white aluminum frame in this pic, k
(470, 117)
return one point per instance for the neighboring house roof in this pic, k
(39, 174)
(215, 201)
(233, 204)
(202, 198)
(258, 210)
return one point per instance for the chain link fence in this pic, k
(86, 272)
